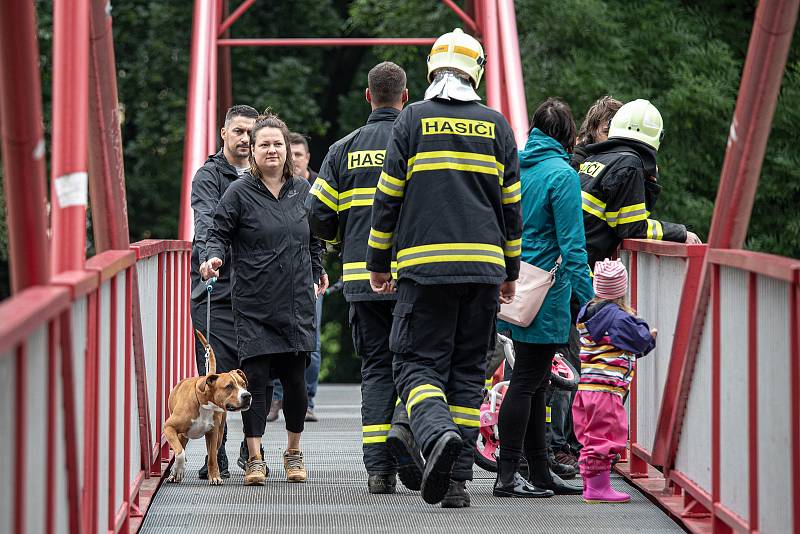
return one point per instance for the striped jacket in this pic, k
(448, 199)
(340, 203)
(611, 341)
(618, 197)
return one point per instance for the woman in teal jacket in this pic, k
(552, 227)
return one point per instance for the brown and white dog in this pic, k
(198, 407)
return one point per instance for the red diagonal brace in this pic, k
(755, 107)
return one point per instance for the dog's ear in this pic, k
(210, 380)
(242, 375)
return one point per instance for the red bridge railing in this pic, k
(75, 444)
(734, 466)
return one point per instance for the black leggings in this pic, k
(523, 412)
(290, 369)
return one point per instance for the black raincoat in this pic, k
(275, 262)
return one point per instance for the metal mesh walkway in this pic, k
(335, 499)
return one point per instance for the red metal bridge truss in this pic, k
(89, 349)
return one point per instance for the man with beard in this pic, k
(208, 185)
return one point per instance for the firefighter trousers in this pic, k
(371, 322)
(440, 340)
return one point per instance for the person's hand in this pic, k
(507, 291)
(692, 239)
(320, 288)
(654, 332)
(209, 268)
(382, 283)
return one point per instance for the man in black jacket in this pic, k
(208, 185)
(619, 184)
(447, 203)
(341, 207)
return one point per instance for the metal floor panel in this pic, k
(335, 499)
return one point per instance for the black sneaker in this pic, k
(222, 461)
(382, 483)
(456, 496)
(436, 477)
(244, 456)
(402, 446)
(565, 471)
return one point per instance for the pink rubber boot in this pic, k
(597, 489)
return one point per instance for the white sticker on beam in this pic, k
(72, 189)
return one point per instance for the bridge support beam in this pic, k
(69, 176)
(23, 145)
(108, 194)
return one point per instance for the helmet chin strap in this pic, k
(448, 86)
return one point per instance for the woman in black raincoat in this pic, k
(277, 276)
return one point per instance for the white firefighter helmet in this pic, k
(639, 120)
(460, 51)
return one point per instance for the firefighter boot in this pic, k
(436, 477)
(402, 446)
(456, 496)
(382, 483)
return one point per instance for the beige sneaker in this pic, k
(256, 472)
(294, 466)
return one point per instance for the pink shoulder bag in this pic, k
(532, 287)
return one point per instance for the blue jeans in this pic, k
(312, 371)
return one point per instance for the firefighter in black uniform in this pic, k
(339, 210)
(620, 187)
(447, 202)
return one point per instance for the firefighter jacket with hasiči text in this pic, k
(618, 196)
(340, 203)
(448, 198)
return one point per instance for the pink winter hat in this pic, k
(610, 279)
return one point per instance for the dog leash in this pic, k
(209, 288)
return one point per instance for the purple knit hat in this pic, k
(610, 279)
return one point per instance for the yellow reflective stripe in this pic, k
(512, 193)
(513, 248)
(357, 270)
(325, 193)
(374, 428)
(360, 196)
(487, 383)
(627, 214)
(448, 246)
(379, 240)
(391, 185)
(464, 416)
(422, 392)
(450, 252)
(466, 51)
(654, 230)
(375, 433)
(451, 160)
(593, 205)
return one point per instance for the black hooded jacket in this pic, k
(275, 262)
(618, 197)
(208, 185)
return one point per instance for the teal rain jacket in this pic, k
(552, 225)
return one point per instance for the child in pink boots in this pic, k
(612, 337)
